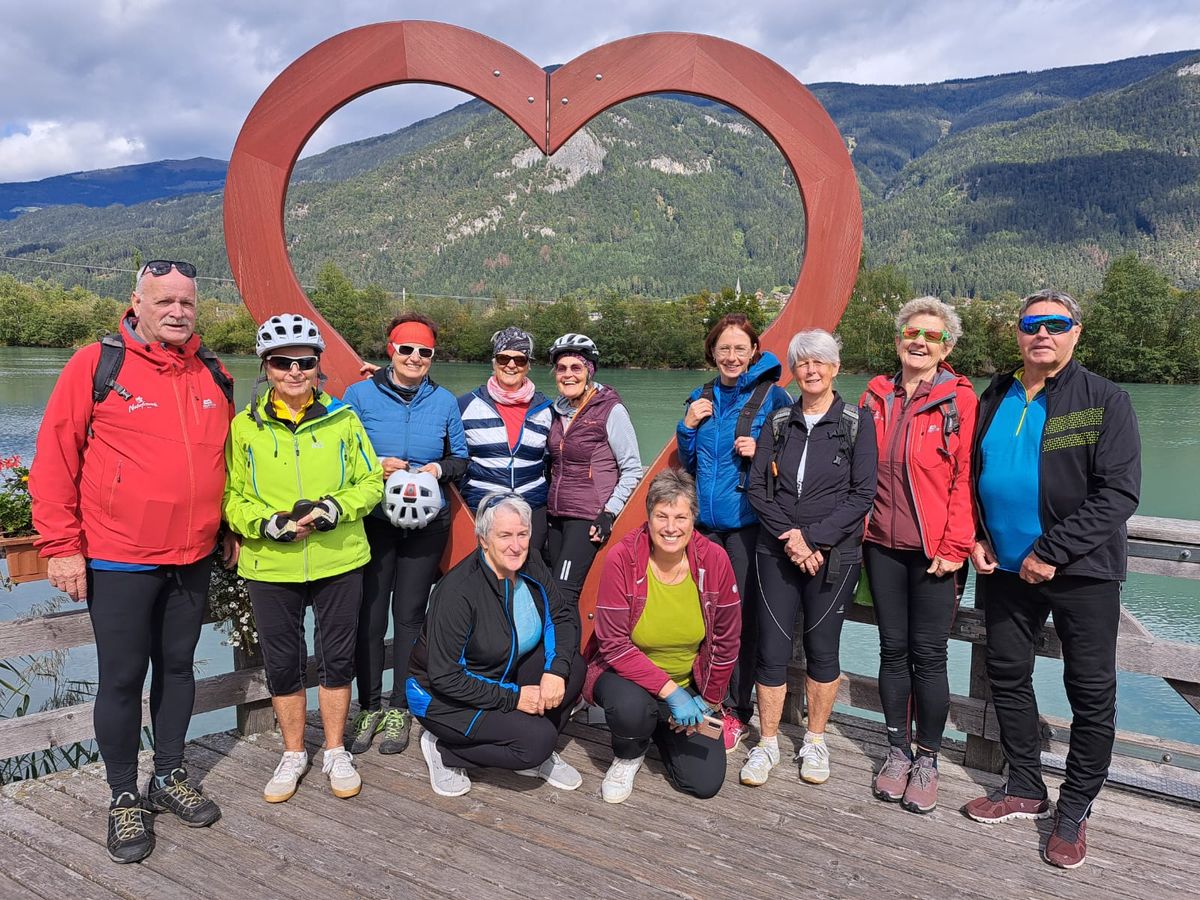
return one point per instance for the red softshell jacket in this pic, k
(622, 598)
(939, 475)
(132, 480)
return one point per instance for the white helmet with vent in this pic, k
(412, 499)
(287, 330)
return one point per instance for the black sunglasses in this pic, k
(409, 350)
(284, 363)
(511, 359)
(157, 267)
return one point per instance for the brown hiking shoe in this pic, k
(892, 779)
(921, 794)
(1067, 847)
(1001, 807)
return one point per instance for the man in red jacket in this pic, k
(127, 504)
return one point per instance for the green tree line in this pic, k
(1137, 326)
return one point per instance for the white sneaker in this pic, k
(344, 779)
(445, 781)
(762, 759)
(287, 776)
(814, 761)
(618, 780)
(556, 772)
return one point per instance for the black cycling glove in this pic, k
(602, 526)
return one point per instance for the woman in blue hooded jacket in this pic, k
(717, 438)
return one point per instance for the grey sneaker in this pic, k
(344, 779)
(445, 781)
(363, 731)
(762, 759)
(892, 779)
(556, 772)
(396, 727)
(287, 776)
(814, 761)
(618, 780)
(921, 794)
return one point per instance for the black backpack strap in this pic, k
(223, 380)
(847, 432)
(750, 410)
(950, 421)
(778, 423)
(104, 379)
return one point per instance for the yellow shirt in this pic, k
(284, 413)
(671, 627)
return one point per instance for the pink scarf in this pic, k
(523, 394)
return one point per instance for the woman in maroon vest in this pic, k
(594, 462)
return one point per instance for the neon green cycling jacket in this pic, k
(271, 466)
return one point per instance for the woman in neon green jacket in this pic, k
(301, 475)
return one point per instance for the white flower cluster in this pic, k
(229, 603)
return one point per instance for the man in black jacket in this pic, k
(1056, 471)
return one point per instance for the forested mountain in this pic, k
(974, 187)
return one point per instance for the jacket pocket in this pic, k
(114, 487)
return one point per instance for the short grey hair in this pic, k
(668, 486)
(814, 343)
(1062, 298)
(931, 306)
(485, 515)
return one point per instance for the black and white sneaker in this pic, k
(129, 839)
(177, 795)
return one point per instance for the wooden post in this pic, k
(982, 753)
(257, 716)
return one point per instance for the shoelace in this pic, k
(760, 756)
(625, 772)
(290, 766)
(183, 792)
(393, 723)
(818, 751)
(923, 775)
(896, 766)
(366, 721)
(129, 822)
(340, 765)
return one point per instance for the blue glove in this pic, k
(686, 709)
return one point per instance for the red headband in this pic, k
(411, 333)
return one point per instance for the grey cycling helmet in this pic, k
(412, 499)
(578, 344)
(287, 330)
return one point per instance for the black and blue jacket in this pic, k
(465, 662)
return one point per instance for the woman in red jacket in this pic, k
(919, 534)
(668, 625)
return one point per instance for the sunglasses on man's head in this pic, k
(511, 359)
(285, 363)
(1052, 324)
(409, 350)
(157, 267)
(931, 336)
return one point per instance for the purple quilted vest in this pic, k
(583, 470)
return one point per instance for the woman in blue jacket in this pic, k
(717, 438)
(414, 425)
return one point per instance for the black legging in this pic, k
(571, 552)
(402, 570)
(142, 619)
(695, 763)
(739, 544)
(915, 611)
(512, 740)
(784, 590)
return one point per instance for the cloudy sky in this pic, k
(112, 82)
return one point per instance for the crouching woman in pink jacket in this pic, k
(668, 621)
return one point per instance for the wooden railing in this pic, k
(1157, 546)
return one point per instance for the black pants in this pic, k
(279, 618)
(512, 740)
(739, 544)
(572, 553)
(784, 590)
(695, 764)
(145, 620)
(915, 611)
(399, 577)
(1086, 612)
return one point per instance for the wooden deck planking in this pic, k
(514, 836)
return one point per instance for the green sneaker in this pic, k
(396, 725)
(366, 725)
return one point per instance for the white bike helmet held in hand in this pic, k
(412, 499)
(287, 330)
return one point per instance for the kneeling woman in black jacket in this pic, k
(497, 668)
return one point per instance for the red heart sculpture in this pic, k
(548, 108)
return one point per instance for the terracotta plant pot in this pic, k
(24, 564)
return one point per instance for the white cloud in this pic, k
(53, 148)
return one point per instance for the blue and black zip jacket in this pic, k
(465, 662)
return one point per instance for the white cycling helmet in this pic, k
(412, 499)
(579, 344)
(287, 330)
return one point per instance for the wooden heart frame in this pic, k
(549, 108)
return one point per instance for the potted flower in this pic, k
(16, 523)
